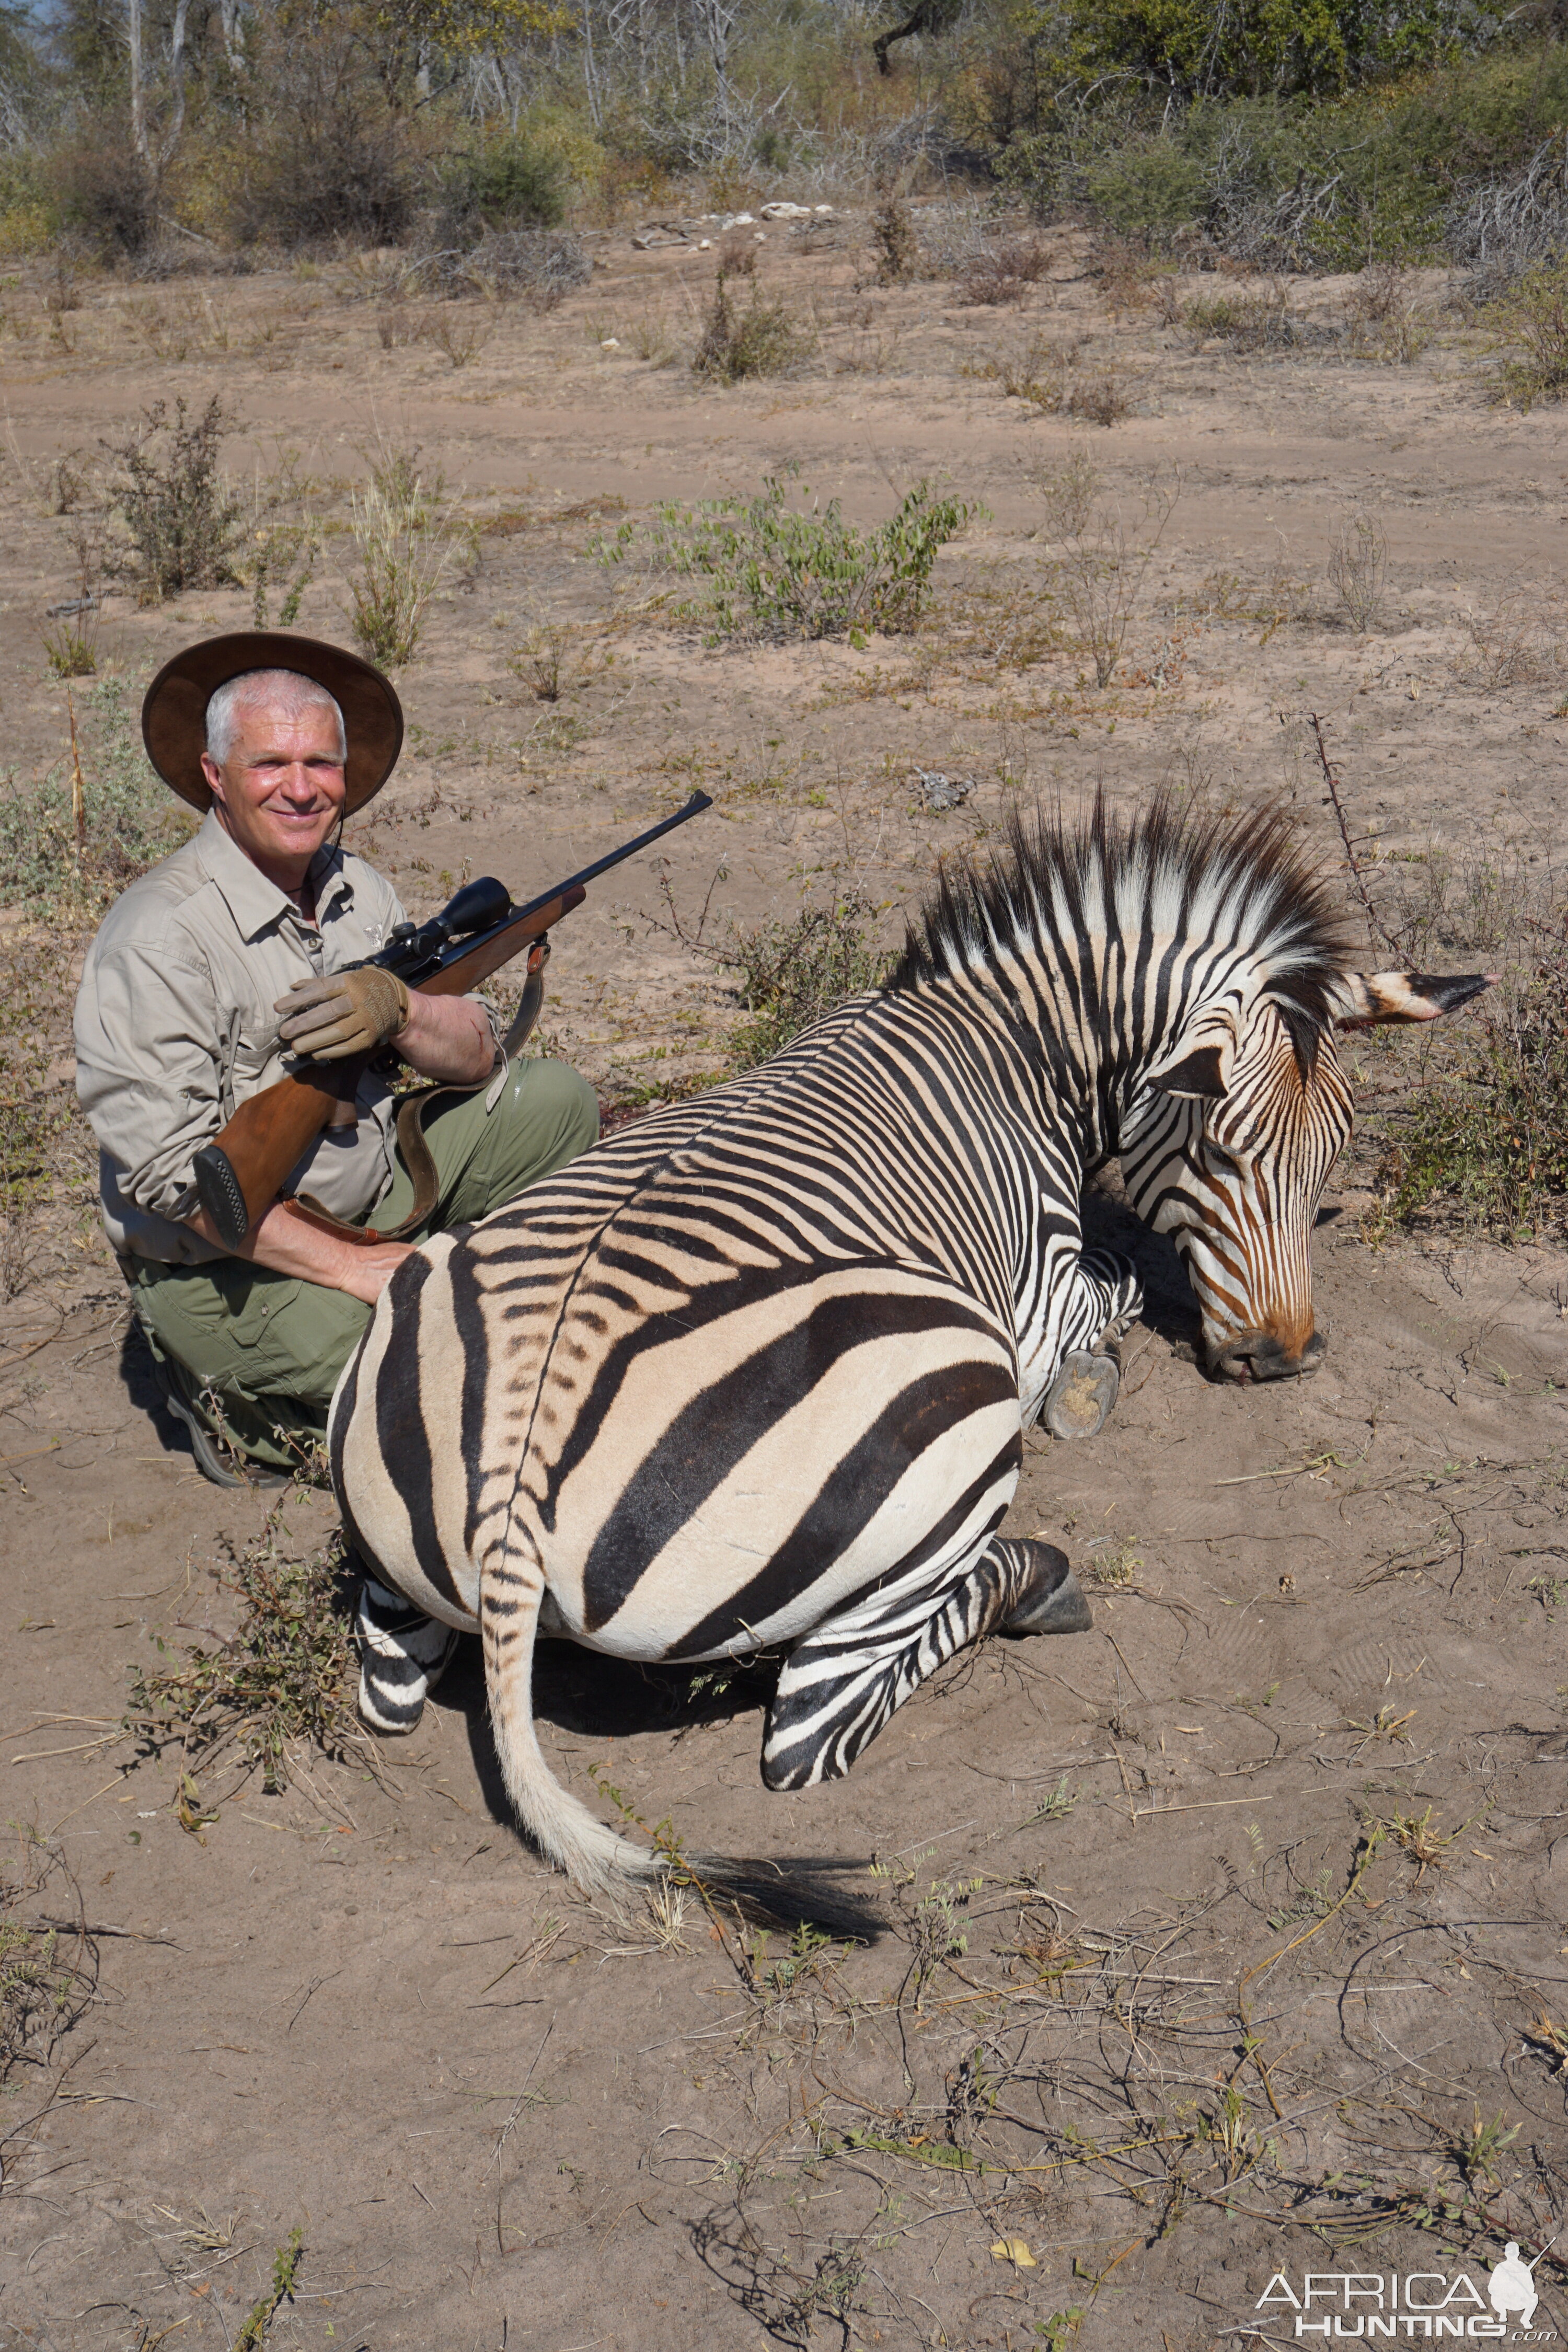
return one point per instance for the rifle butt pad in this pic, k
(221, 1195)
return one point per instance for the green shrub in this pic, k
(331, 159)
(789, 974)
(183, 522)
(511, 182)
(105, 193)
(1310, 172)
(776, 572)
(761, 340)
(127, 820)
(1532, 321)
(1149, 192)
(1259, 47)
(1492, 1143)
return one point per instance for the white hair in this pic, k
(284, 690)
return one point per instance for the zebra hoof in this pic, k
(1054, 1602)
(1080, 1399)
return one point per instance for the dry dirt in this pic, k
(1223, 1941)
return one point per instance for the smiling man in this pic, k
(208, 978)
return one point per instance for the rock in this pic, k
(938, 793)
(786, 212)
(740, 220)
(611, 343)
(705, 245)
(822, 210)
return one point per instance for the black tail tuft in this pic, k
(799, 1892)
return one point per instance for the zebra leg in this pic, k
(842, 1683)
(1106, 1295)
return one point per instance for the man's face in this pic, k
(280, 790)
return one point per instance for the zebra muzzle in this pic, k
(1259, 1356)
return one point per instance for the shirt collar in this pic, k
(256, 904)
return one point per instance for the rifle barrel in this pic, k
(694, 807)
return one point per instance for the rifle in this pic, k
(242, 1172)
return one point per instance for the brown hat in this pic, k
(174, 709)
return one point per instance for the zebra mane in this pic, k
(1173, 872)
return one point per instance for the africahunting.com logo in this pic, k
(1431, 2304)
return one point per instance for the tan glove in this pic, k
(345, 1012)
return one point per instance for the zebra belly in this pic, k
(749, 1476)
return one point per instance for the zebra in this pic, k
(753, 1373)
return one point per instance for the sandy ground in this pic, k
(1211, 1940)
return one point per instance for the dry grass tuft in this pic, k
(1358, 569)
(764, 339)
(408, 538)
(895, 244)
(283, 1681)
(1512, 644)
(1003, 270)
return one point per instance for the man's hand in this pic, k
(343, 1013)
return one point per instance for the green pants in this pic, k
(258, 1355)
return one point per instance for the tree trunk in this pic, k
(233, 35)
(138, 95)
(177, 83)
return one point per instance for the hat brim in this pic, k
(175, 708)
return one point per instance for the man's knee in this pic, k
(556, 1109)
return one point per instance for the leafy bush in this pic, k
(67, 871)
(1261, 46)
(789, 974)
(510, 182)
(761, 340)
(773, 571)
(1148, 191)
(1461, 157)
(1493, 1142)
(331, 159)
(183, 522)
(1532, 321)
(106, 193)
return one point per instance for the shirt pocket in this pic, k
(250, 1058)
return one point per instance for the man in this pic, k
(212, 971)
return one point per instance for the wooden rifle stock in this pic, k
(242, 1172)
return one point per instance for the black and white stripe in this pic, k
(755, 1370)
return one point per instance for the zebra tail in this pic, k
(595, 1857)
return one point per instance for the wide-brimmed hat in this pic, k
(174, 709)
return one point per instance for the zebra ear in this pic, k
(1361, 1000)
(1200, 1061)
(1200, 1074)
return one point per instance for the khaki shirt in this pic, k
(175, 1026)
